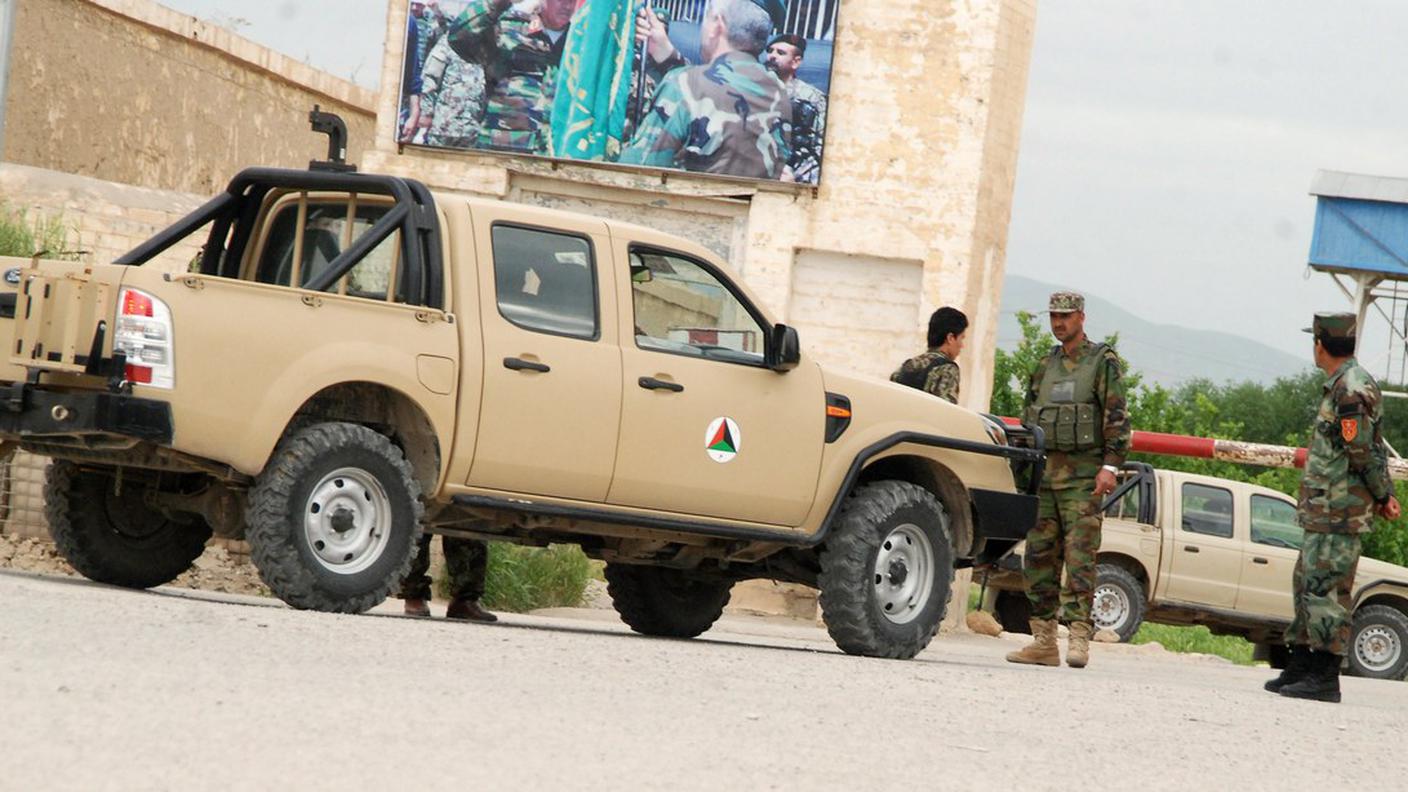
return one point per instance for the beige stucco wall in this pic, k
(922, 134)
(132, 92)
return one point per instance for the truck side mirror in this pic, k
(783, 351)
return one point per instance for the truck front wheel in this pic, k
(106, 530)
(334, 518)
(1379, 643)
(665, 602)
(886, 570)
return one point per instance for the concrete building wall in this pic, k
(129, 91)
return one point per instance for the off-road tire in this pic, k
(279, 544)
(849, 602)
(1378, 617)
(110, 535)
(665, 602)
(1134, 595)
(1014, 612)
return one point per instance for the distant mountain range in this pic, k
(1166, 354)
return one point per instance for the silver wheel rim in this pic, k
(1378, 648)
(904, 574)
(347, 520)
(1109, 608)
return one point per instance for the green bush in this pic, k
(522, 579)
(20, 236)
(1196, 639)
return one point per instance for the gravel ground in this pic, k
(105, 688)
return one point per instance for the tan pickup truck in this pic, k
(352, 360)
(1179, 548)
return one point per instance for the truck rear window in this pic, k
(1207, 510)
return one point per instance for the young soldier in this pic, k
(1076, 396)
(934, 370)
(1345, 483)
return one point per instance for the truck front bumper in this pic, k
(28, 411)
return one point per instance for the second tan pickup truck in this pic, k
(1179, 548)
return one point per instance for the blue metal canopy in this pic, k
(1361, 224)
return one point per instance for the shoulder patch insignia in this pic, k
(1349, 429)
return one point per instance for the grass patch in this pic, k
(522, 579)
(22, 236)
(1196, 639)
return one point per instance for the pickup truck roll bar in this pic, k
(233, 214)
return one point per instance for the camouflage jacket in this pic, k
(1346, 471)
(1069, 470)
(520, 72)
(729, 117)
(932, 372)
(806, 151)
(453, 97)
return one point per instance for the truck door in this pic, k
(1206, 562)
(707, 429)
(1270, 558)
(552, 368)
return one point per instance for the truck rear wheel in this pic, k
(1119, 601)
(665, 602)
(109, 534)
(1014, 612)
(1379, 643)
(886, 571)
(334, 518)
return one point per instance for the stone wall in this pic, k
(129, 91)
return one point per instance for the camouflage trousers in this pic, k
(466, 561)
(1321, 587)
(1067, 533)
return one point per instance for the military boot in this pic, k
(1297, 666)
(1078, 645)
(1321, 683)
(1042, 650)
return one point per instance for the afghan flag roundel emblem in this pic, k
(723, 440)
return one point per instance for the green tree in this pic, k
(1011, 369)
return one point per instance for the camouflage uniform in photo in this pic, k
(1079, 403)
(1346, 476)
(452, 95)
(806, 99)
(729, 117)
(520, 72)
(466, 563)
(931, 371)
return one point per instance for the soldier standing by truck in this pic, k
(935, 370)
(1345, 484)
(1077, 397)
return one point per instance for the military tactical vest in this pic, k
(1066, 408)
(918, 376)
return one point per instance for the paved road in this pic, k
(104, 688)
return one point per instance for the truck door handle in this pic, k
(651, 383)
(1258, 560)
(1191, 549)
(519, 364)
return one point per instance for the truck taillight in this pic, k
(144, 334)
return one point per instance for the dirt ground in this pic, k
(216, 570)
(182, 689)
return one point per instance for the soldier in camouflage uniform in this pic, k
(466, 563)
(525, 44)
(729, 116)
(934, 370)
(1345, 484)
(452, 97)
(784, 58)
(1077, 397)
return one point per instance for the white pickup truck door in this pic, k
(1269, 559)
(1205, 563)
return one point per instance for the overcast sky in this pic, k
(1167, 147)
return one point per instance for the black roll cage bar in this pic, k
(237, 208)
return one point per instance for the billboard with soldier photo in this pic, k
(726, 87)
